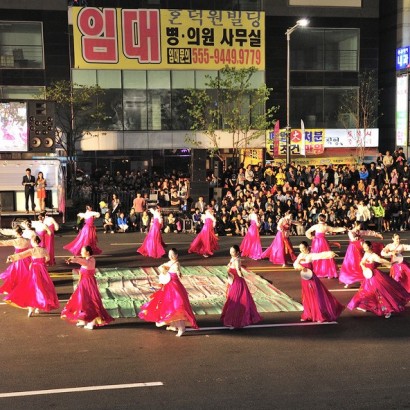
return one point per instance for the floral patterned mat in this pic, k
(124, 290)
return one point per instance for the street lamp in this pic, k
(289, 31)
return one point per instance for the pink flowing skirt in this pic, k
(251, 244)
(319, 305)
(351, 271)
(400, 272)
(324, 268)
(49, 245)
(85, 303)
(35, 289)
(13, 274)
(87, 236)
(153, 245)
(239, 309)
(380, 294)
(280, 251)
(206, 242)
(169, 304)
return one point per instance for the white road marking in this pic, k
(201, 329)
(80, 389)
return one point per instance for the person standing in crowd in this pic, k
(153, 244)
(35, 290)
(170, 305)
(41, 184)
(251, 244)
(351, 271)
(280, 252)
(29, 183)
(139, 206)
(206, 242)
(319, 305)
(239, 309)
(400, 269)
(16, 270)
(87, 235)
(85, 306)
(323, 267)
(53, 226)
(378, 293)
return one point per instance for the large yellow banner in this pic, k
(148, 39)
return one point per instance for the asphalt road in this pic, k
(362, 362)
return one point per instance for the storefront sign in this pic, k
(149, 39)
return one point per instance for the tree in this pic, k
(359, 109)
(232, 104)
(77, 110)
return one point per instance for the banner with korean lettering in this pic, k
(314, 142)
(149, 39)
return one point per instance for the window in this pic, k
(324, 50)
(21, 93)
(21, 45)
(317, 107)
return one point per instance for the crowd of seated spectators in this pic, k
(376, 194)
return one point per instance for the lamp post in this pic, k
(289, 31)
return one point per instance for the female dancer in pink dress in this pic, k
(13, 274)
(35, 290)
(280, 252)
(239, 309)
(85, 306)
(319, 305)
(170, 304)
(251, 244)
(87, 235)
(324, 268)
(378, 293)
(206, 242)
(351, 270)
(42, 230)
(53, 226)
(153, 245)
(400, 270)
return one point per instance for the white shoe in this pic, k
(30, 312)
(37, 310)
(172, 328)
(80, 324)
(159, 324)
(388, 315)
(361, 310)
(346, 286)
(180, 332)
(89, 326)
